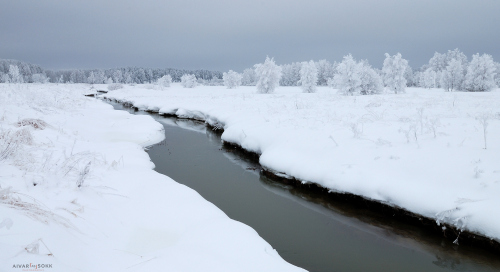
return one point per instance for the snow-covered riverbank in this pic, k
(124, 216)
(430, 152)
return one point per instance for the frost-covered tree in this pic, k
(14, 75)
(326, 70)
(438, 62)
(231, 79)
(268, 75)
(164, 81)
(188, 81)
(452, 78)
(348, 78)
(457, 55)
(371, 83)
(480, 75)
(308, 77)
(393, 72)
(249, 78)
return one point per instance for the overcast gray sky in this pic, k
(235, 34)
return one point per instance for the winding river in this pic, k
(305, 228)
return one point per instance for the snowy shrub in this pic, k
(356, 77)
(39, 78)
(394, 72)
(215, 81)
(164, 81)
(480, 75)
(109, 80)
(308, 77)
(231, 79)
(268, 76)
(290, 74)
(249, 78)
(371, 83)
(188, 81)
(115, 86)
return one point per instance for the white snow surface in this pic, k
(423, 150)
(125, 216)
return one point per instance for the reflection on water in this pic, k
(307, 229)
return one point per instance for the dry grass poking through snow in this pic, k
(39, 160)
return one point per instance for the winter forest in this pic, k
(451, 71)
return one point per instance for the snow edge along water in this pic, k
(451, 232)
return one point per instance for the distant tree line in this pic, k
(31, 73)
(451, 71)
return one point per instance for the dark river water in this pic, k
(306, 229)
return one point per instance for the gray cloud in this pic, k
(234, 34)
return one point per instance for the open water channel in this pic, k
(307, 229)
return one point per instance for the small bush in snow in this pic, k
(308, 77)
(164, 81)
(188, 81)
(268, 74)
(115, 86)
(231, 79)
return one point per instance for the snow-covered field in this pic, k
(428, 151)
(78, 193)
